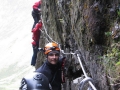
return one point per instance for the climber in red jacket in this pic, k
(36, 12)
(35, 44)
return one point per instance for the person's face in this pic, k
(53, 58)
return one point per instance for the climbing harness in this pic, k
(76, 54)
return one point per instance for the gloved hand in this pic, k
(39, 9)
(33, 43)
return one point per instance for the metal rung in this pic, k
(84, 81)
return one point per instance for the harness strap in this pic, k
(63, 70)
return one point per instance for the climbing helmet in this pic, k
(52, 46)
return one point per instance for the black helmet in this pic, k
(35, 81)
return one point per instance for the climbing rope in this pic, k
(44, 36)
(46, 31)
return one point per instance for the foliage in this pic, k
(112, 62)
(108, 33)
(118, 12)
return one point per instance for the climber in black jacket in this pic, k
(52, 67)
(36, 12)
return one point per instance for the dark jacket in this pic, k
(53, 72)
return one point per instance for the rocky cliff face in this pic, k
(81, 25)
